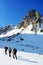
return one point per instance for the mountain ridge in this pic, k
(33, 20)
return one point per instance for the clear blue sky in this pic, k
(12, 11)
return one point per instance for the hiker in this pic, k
(14, 53)
(10, 50)
(6, 48)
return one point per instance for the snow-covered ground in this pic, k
(24, 58)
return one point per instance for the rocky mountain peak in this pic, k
(33, 13)
(33, 17)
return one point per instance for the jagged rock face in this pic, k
(32, 15)
(6, 29)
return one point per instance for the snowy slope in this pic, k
(24, 58)
(26, 30)
(30, 43)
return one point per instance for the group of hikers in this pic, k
(14, 51)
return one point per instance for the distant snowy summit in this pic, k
(5, 29)
(32, 23)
